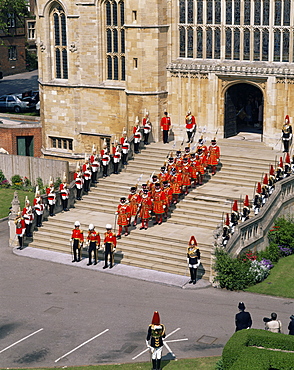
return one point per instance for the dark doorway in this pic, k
(243, 110)
(25, 145)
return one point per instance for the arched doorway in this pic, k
(243, 109)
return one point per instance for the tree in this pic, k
(12, 10)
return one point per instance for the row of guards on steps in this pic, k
(162, 191)
(262, 193)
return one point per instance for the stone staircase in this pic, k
(163, 247)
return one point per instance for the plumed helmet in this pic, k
(246, 201)
(265, 180)
(272, 171)
(227, 220)
(156, 318)
(77, 223)
(258, 188)
(287, 159)
(108, 226)
(281, 162)
(27, 202)
(192, 241)
(91, 227)
(235, 206)
(287, 119)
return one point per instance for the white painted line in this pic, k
(81, 345)
(176, 340)
(169, 350)
(172, 332)
(145, 350)
(13, 344)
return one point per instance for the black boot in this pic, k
(154, 364)
(158, 364)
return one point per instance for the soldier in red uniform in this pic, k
(151, 186)
(234, 216)
(165, 125)
(28, 216)
(20, 228)
(156, 333)
(87, 174)
(176, 184)
(95, 165)
(194, 174)
(146, 128)
(116, 155)
(64, 194)
(159, 204)
(213, 156)
(163, 175)
(169, 196)
(202, 146)
(190, 126)
(93, 241)
(145, 208)
(79, 181)
(39, 208)
(125, 147)
(137, 136)
(271, 179)
(77, 240)
(134, 200)
(123, 219)
(186, 175)
(171, 163)
(109, 246)
(51, 197)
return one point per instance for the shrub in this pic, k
(259, 271)
(16, 182)
(57, 183)
(39, 183)
(4, 183)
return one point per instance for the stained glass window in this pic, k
(228, 11)
(266, 12)
(182, 11)
(122, 41)
(114, 14)
(217, 43)
(228, 43)
(277, 43)
(109, 67)
(57, 63)
(64, 64)
(209, 43)
(265, 43)
(60, 42)
(236, 44)
(56, 29)
(256, 49)
(217, 12)
(285, 46)
(278, 12)
(182, 42)
(122, 13)
(63, 30)
(190, 43)
(190, 12)
(209, 12)
(123, 68)
(237, 12)
(247, 8)
(199, 11)
(246, 43)
(257, 12)
(115, 67)
(199, 43)
(109, 41)
(287, 9)
(108, 13)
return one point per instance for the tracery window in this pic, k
(115, 40)
(253, 30)
(59, 42)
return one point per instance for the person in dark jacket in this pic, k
(291, 325)
(243, 319)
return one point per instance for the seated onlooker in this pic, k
(273, 325)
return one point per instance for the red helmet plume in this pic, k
(235, 206)
(287, 118)
(155, 318)
(281, 162)
(287, 159)
(227, 220)
(272, 171)
(265, 179)
(192, 241)
(258, 189)
(246, 201)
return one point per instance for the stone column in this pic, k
(15, 208)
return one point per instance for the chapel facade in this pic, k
(104, 63)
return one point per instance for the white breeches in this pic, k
(156, 353)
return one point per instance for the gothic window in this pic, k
(182, 42)
(217, 12)
(199, 11)
(285, 35)
(257, 12)
(59, 42)
(190, 42)
(236, 44)
(228, 43)
(277, 43)
(115, 40)
(199, 42)
(209, 12)
(266, 12)
(237, 12)
(182, 11)
(217, 43)
(247, 8)
(287, 9)
(246, 44)
(228, 11)
(278, 12)
(209, 43)
(256, 48)
(190, 19)
(265, 41)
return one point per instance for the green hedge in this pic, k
(239, 353)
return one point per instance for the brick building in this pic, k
(21, 137)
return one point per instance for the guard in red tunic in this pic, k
(134, 201)
(213, 156)
(194, 174)
(116, 155)
(146, 128)
(28, 216)
(87, 174)
(202, 146)
(176, 184)
(93, 241)
(124, 213)
(170, 163)
(186, 175)
(159, 204)
(190, 126)
(155, 335)
(165, 125)
(280, 170)
(79, 182)
(137, 136)
(125, 147)
(105, 159)
(226, 231)
(64, 193)
(20, 228)
(151, 185)
(39, 208)
(95, 165)
(77, 240)
(51, 197)
(145, 208)
(163, 175)
(109, 246)
(193, 259)
(168, 191)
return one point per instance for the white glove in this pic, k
(147, 344)
(162, 129)
(164, 206)
(116, 213)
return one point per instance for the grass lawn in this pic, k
(6, 196)
(204, 363)
(280, 280)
